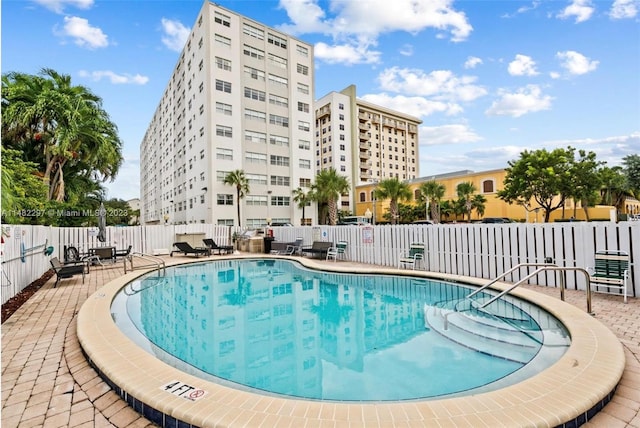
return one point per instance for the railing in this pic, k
(154, 261)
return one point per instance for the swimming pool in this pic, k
(277, 327)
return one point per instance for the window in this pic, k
(281, 201)
(278, 101)
(279, 160)
(256, 179)
(201, 157)
(256, 200)
(222, 40)
(305, 182)
(201, 109)
(201, 65)
(255, 115)
(223, 108)
(305, 164)
(304, 126)
(278, 180)
(304, 107)
(252, 157)
(255, 137)
(225, 199)
(254, 73)
(223, 86)
(277, 40)
(254, 94)
(303, 89)
(277, 80)
(340, 106)
(277, 140)
(220, 176)
(274, 119)
(303, 69)
(224, 131)
(221, 63)
(226, 154)
(278, 61)
(341, 116)
(252, 31)
(222, 19)
(253, 52)
(487, 186)
(304, 144)
(302, 50)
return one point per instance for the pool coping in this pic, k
(569, 392)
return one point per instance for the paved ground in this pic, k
(46, 381)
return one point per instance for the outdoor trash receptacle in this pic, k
(267, 244)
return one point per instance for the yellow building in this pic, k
(487, 184)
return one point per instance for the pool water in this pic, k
(275, 326)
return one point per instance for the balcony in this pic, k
(364, 127)
(364, 136)
(364, 146)
(322, 112)
(363, 117)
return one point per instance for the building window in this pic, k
(305, 182)
(201, 155)
(274, 119)
(254, 94)
(252, 31)
(259, 158)
(305, 164)
(253, 52)
(277, 140)
(225, 154)
(303, 89)
(201, 65)
(254, 73)
(256, 200)
(487, 186)
(278, 101)
(277, 80)
(280, 201)
(223, 108)
(256, 179)
(255, 137)
(302, 50)
(222, 19)
(255, 115)
(304, 144)
(279, 160)
(304, 126)
(222, 40)
(303, 69)
(223, 64)
(341, 107)
(277, 40)
(304, 107)
(220, 176)
(225, 199)
(278, 61)
(223, 86)
(278, 180)
(224, 131)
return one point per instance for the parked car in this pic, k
(422, 222)
(495, 220)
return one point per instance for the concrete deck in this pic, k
(46, 380)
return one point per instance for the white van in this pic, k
(357, 220)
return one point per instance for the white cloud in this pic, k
(522, 9)
(580, 9)
(59, 5)
(554, 75)
(116, 79)
(608, 149)
(346, 54)
(472, 62)
(439, 84)
(447, 134)
(624, 9)
(523, 65)
(176, 34)
(406, 50)
(83, 33)
(526, 100)
(576, 63)
(414, 106)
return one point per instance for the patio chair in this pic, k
(610, 272)
(123, 253)
(340, 250)
(318, 248)
(186, 249)
(68, 270)
(412, 256)
(211, 244)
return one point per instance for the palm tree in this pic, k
(431, 191)
(446, 209)
(302, 199)
(478, 203)
(465, 193)
(239, 180)
(394, 190)
(328, 188)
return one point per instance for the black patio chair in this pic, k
(211, 244)
(68, 270)
(186, 249)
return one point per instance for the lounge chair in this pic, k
(124, 253)
(340, 250)
(68, 270)
(186, 249)
(211, 244)
(318, 248)
(412, 257)
(610, 272)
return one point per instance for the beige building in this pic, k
(240, 98)
(364, 142)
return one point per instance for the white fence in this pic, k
(478, 250)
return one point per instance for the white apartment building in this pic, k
(240, 98)
(364, 142)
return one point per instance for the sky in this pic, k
(488, 78)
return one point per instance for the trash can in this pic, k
(267, 244)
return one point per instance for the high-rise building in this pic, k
(365, 142)
(240, 98)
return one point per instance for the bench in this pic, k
(611, 271)
(318, 248)
(68, 270)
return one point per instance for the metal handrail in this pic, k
(513, 269)
(156, 261)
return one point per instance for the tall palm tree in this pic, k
(465, 193)
(302, 199)
(478, 203)
(433, 192)
(327, 189)
(394, 190)
(239, 180)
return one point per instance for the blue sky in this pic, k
(487, 78)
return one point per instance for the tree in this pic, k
(394, 190)
(631, 165)
(540, 175)
(431, 191)
(328, 188)
(586, 182)
(60, 127)
(239, 181)
(478, 203)
(615, 187)
(465, 191)
(446, 209)
(23, 192)
(302, 199)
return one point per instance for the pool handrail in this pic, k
(154, 261)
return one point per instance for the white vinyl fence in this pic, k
(478, 250)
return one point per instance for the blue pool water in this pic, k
(277, 327)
